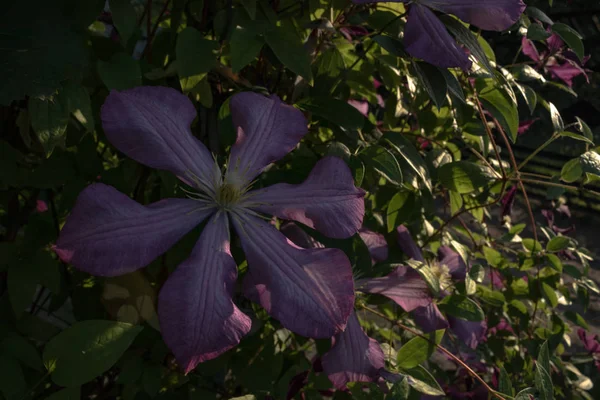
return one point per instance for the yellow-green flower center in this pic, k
(441, 272)
(228, 194)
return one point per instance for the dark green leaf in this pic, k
(423, 381)
(21, 288)
(87, 349)
(337, 111)
(453, 85)
(73, 393)
(21, 349)
(288, 48)
(538, 14)
(504, 384)
(500, 104)
(250, 6)
(195, 57)
(384, 162)
(525, 394)
(571, 171)
(556, 119)
(12, 381)
(121, 72)
(245, 47)
(585, 129)
(576, 136)
(79, 105)
(401, 209)
(49, 119)
(418, 350)
(462, 176)
(124, 18)
(537, 32)
(410, 156)
(492, 297)
(400, 390)
(465, 36)
(571, 37)
(433, 81)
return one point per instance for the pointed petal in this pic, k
(267, 129)
(109, 234)
(529, 49)
(198, 319)
(327, 200)
(425, 37)
(454, 262)
(310, 291)
(403, 285)
(376, 243)
(469, 332)
(354, 357)
(492, 15)
(151, 124)
(429, 318)
(408, 245)
(299, 236)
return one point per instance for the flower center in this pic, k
(227, 195)
(442, 274)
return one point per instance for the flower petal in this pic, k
(529, 49)
(408, 245)
(469, 332)
(327, 200)
(198, 319)
(492, 15)
(403, 285)
(425, 37)
(376, 244)
(267, 129)
(109, 234)
(354, 357)
(151, 124)
(299, 236)
(429, 318)
(309, 290)
(454, 262)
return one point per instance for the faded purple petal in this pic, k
(491, 15)
(267, 129)
(408, 245)
(508, 201)
(376, 243)
(151, 124)
(554, 43)
(429, 318)
(567, 71)
(354, 357)
(327, 200)
(299, 236)
(469, 332)
(310, 291)
(403, 285)
(198, 319)
(425, 37)
(109, 234)
(529, 49)
(525, 125)
(361, 105)
(589, 341)
(454, 262)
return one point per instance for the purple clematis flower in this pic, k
(448, 268)
(310, 291)
(556, 59)
(426, 37)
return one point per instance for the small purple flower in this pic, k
(561, 63)
(508, 201)
(310, 291)
(426, 37)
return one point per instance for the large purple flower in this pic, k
(310, 291)
(426, 37)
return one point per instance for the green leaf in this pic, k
(461, 176)
(410, 156)
(571, 37)
(543, 383)
(525, 394)
(576, 136)
(79, 105)
(537, 32)
(504, 384)
(530, 98)
(401, 209)
(120, 72)
(465, 36)
(245, 46)
(493, 257)
(558, 243)
(124, 18)
(418, 350)
(73, 393)
(532, 245)
(21, 349)
(288, 48)
(557, 121)
(577, 319)
(492, 297)
(12, 381)
(400, 390)
(585, 129)
(49, 119)
(538, 14)
(571, 171)
(423, 381)
(433, 81)
(500, 104)
(21, 288)
(384, 162)
(87, 349)
(250, 6)
(453, 85)
(337, 111)
(195, 57)
(40, 50)
(554, 262)
(462, 307)
(590, 162)
(550, 294)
